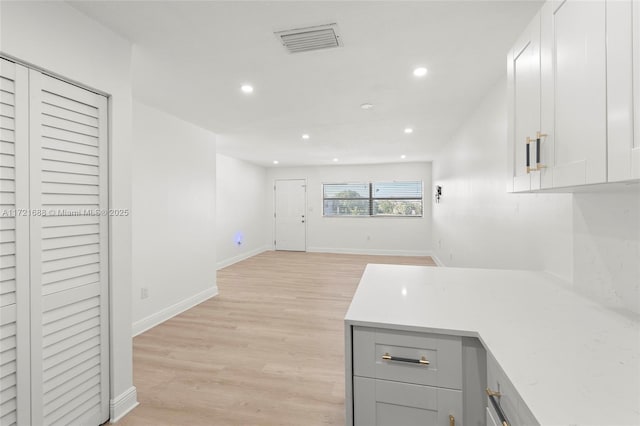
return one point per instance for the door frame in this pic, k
(306, 218)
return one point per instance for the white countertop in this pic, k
(573, 361)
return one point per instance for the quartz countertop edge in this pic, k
(572, 360)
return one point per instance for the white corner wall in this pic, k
(404, 236)
(174, 185)
(590, 240)
(242, 228)
(477, 223)
(56, 37)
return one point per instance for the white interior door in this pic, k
(54, 339)
(290, 214)
(69, 253)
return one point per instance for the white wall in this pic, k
(606, 240)
(589, 240)
(242, 228)
(368, 235)
(58, 38)
(174, 185)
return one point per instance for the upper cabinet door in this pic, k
(523, 79)
(574, 91)
(635, 153)
(577, 124)
(623, 54)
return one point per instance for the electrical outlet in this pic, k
(144, 293)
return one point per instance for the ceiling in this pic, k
(191, 57)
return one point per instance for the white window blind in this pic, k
(397, 198)
(373, 199)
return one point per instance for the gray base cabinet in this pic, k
(388, 403)
(513, 407)
(405, 378)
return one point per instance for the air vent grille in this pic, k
(310, 38)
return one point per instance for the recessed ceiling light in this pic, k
(246, 88)
(420, 72)
(366, 106)
(305, 136)
(403, 156)
(408, 130)
(275, 161)
(335, 160)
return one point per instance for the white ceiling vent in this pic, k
(310, 38)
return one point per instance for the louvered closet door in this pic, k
(69, 271)
(14, 244)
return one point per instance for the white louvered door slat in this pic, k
(14, 245)
(69, 271)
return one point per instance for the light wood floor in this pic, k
(268, 350)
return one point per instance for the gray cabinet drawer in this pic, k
(444, 354)
(381, 403)
(513, 406)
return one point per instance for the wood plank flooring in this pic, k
(268, 350)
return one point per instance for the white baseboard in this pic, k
(437, 260)
(159, 317)
(122, 404)
(368, 251)
(242, 256)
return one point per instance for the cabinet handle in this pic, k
(493, 397)
(452, 420)
(538, 140)
(421, 361)
(528, 154)
(539, 137)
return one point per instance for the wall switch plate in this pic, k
(144, 293)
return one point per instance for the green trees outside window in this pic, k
(373, 199)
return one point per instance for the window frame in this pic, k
(371, 199)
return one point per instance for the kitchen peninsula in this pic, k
(558, 357)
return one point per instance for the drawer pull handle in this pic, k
(452, 420)
(494, 398)
(421, 361)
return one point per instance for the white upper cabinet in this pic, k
(623, 89)
(577, 127)
(523, 65)
(635, 152)
(581, 110)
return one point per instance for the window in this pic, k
(372, 199)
